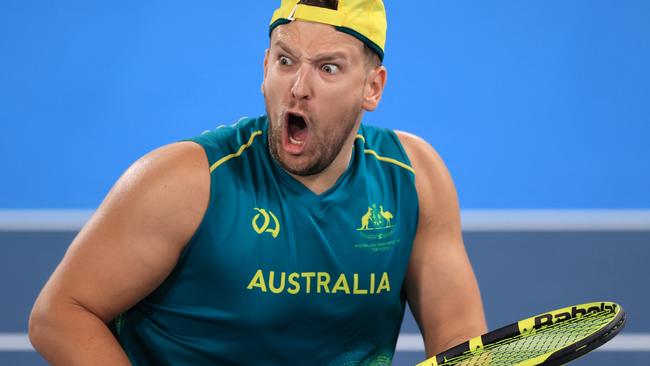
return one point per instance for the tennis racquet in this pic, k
(552, 338)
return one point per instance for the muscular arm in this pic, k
(440, 285)
(128, 247)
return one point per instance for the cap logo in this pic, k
(328, 4)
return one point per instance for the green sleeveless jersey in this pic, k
(278, 275)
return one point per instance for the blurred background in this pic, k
(541, 110)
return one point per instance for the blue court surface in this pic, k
(521, 271)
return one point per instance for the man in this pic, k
(293, 238)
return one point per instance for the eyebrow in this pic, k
(325, 56)
(285, 47)
(332, 56)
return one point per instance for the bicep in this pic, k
(442, 291)
(440, 284)
(132, 242)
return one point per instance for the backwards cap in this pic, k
(363, 19)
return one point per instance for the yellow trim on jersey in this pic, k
(238, 153)
(389, 160)
(383, 158)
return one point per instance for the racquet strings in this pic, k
(529, 345)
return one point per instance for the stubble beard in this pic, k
(324, 147)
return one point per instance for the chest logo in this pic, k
(377, 230)
(266, 216)
(375, 219)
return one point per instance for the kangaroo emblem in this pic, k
(376, 218)
(365, 218)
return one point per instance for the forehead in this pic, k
(315, 38)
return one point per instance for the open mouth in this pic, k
(297, 129)
(297, 132)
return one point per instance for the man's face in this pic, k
(315, 88)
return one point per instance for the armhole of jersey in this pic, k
(208, 209)
(398, 142)
(213, 158)
(405, 156)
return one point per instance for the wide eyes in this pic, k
(331, 69)
(285, 61)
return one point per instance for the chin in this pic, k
(300, 166)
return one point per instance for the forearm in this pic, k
(457, 322)
(73, 336)
(434, 345)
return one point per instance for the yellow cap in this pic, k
(363, 19)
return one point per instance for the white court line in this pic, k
(43, 220)
(473, 220)
(556, 220)
(630, 342)
(407, 342)
(12, 342)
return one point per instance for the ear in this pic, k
(266, 67)
(374, 88)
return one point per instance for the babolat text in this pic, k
(545, 320)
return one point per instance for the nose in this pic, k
(302, 88)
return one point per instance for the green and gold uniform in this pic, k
(277, 275)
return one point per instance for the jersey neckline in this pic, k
(316, 203)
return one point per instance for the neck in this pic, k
(321, 182)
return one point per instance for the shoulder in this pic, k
(175, 164)
(166, 190)
(424, 158)
(435, 187)
(180, 166)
